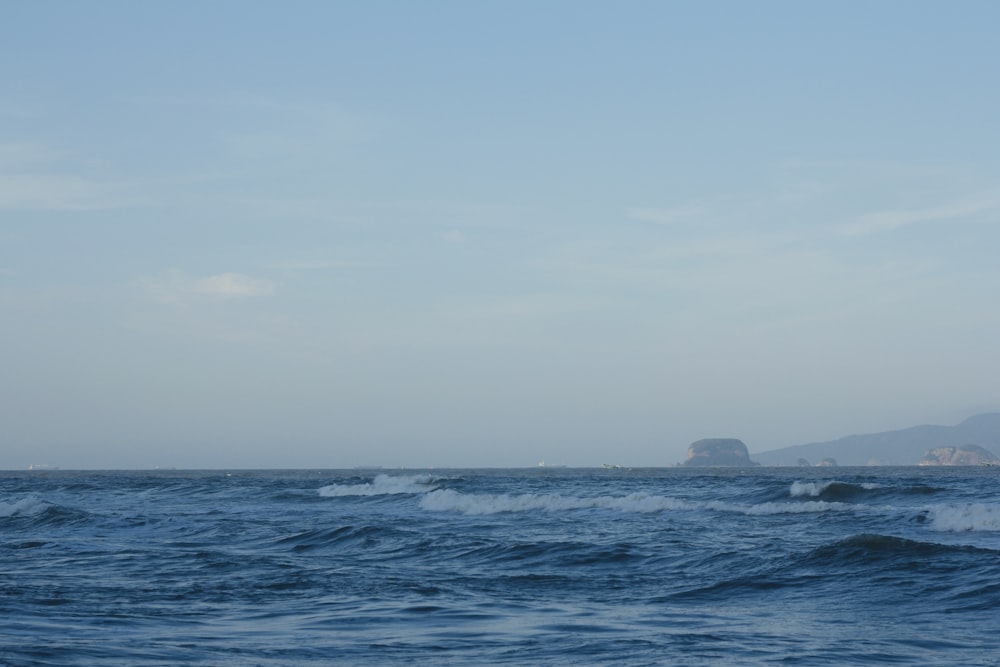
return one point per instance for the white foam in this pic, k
(816, 489)
(812, 489)
(28, 506)
(447, 500)
(383, 485)
(965, 518)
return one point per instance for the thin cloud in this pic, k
(22, 155)
(234, 285)
(454, 236)
(322, 264)
(178, 288)
(886, 221)
(59, 192)
(665, 216)
(36, 177)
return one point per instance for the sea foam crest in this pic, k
(28, 506)
(973, 517)
(812, 489)
(816, 489)
(383, 485)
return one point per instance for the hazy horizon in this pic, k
(448, 234)
(388, 467)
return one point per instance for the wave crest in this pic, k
(28, 506)
(832, 488)
(383, 485)
(974, 517)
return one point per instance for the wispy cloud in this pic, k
(233, 285)
(179, 288)
(665, 216)
(886, 221)
(59, 192)
(20, 155)
(270, 127)
(35, 177)
(454, 236)
(322, 263)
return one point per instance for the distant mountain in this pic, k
(903, 447)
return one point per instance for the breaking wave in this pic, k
(28, 506)
(836, 490)
(973, 517)
(37, 512)
(830, 489)
(383, 485)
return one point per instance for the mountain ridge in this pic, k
(905, 446)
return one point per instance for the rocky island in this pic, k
(716, 452)
(963, 455)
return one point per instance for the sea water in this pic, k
(670, 566)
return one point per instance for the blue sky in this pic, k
(317, 234)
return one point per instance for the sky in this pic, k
(239, 234)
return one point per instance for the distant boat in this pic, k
(42, 466)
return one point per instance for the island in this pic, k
(963, 455)
(718, 452)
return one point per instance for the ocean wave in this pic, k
(448, 500)
(27, 506)
(542, 554)
(837, 490)
(973, 517)
(762, 509)
(329, 537)
(192, 570)
(830, 488)
(383, 485)
(37, 512)
(868, 549)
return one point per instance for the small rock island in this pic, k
(963, 455)
(718, 452)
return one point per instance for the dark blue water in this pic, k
(521, 567)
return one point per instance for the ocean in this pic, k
(543, 566)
